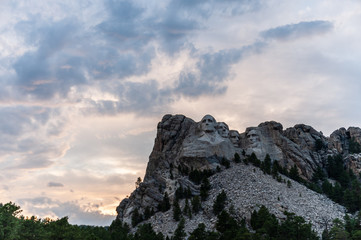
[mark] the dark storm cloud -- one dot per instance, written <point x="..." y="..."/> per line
<point x="55" y="184"/>
<point x="298" y="30"/>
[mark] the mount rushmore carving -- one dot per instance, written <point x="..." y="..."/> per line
<point x="182" y="143"/>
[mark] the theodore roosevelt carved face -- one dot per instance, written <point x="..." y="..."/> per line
<point x="234" y="137"/>
<point x="208" y="124"/>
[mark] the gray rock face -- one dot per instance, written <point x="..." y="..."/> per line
<point x="294" y="146"/>
<point x="340" y="139"/>
<point x="182" y="145"/>
<point x="247" y="189"/>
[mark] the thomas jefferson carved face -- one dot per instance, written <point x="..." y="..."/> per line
<point x="223" y="129"/>
<point x="253" y="138"/>
<point x="234" y="137"/>
<point x="208" y="124"/>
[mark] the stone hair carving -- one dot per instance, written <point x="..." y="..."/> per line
<point x="223" y="129"/>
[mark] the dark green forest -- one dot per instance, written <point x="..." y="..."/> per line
<point x="263" y="225"/>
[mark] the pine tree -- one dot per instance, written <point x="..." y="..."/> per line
<point x="136" y="217"/>
<point x="237" y="158"/>
<point x="275" y="169"/>
<point x="179" y="233"/>
<point x="138" y="182"/>
<point x="177" y="212"/>
<point x="267" y="164"/>
<point x="147" y="213"/>
<point x="165" y="204"/>
<point x="294" y="173"/>
<point x="219" y="203"/>
<point x="187" y="210"/>
<point x="205" y="187"/>
<point x="196" y="204"/>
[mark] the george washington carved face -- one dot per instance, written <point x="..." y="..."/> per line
<point x="208" y="124"/>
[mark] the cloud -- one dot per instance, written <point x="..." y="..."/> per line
<point x="41" y="72"/>
<point x="298" y="30"/>
<point x="55" y="184"/>
<point x="27" y="136"/>
<point x="212" y="70"/>
<point x="87" y="215"/>
<point x="125" y="25"/>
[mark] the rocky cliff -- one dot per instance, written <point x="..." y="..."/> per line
<point x="183" y="145"/>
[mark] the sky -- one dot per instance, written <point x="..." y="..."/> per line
<point x="84" y="83"/>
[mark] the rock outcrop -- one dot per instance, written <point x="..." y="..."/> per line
<point x="183" y="145"/>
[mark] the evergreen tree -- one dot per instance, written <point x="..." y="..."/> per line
<point x="138" y="182"/>
<point x="295" y="227"/>
<point x="263" y="222"/>
<point x="267" y="164"/>
<point x="146" y="232"/>
<point x="225" y="162"/>
<point x="327" y="188"/>
<point x="179" y="193"/>
<point x="318" y="144"/>
<point x="196" y="204"/>
<point x="147" y="213"/>
<point x="275" y="169"/>
<point x="294" y="173"/>
<point x="338" y="231"/>
<point x="187" y="210"/>
<point x="136" y="217"/>
<point x="118" y="230"/>
<point x="205" y="187"/>
<point x="220" y="202"/>
<point x="188" y="193"/>
<point x="177" y="212"/>
<point x="318" y="175"/>
<point x="195" y="176"/>
<point x="9" y="224"/>
<point x="227" y="226"/>
<point x="165" y="204"/>
<point x="179" y="233"/>
<point x="337" y="193"/>
<point x="237" y="158"/>
<point x="200" y="233"/>
<point x="354" y="146"/>
<point x="254" y="160"/>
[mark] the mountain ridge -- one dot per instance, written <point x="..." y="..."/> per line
<point x="183" y="145"/>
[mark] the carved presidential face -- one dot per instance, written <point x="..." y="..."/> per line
<point x="222" y="129"/>
<point x="208" y="124"/>
<point x="234" y="137"/>
<point x="253" y="138"/>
